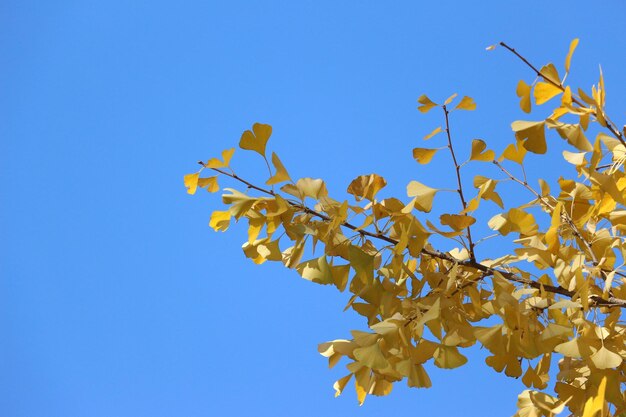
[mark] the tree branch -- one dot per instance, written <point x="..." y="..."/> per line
<point x="609" y="124"/>
<point x="469" y="263"/>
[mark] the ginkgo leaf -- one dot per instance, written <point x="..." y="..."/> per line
<point x="515" y="152"/>
<point x="549" y="73"/>
<point x="363" y="264"/>
<point x="306" y="187"/>
<point x="340" y="384"/>
<point x="362" y="384"/>
<point x="449" y="99"/>
<point x="423" y="155"/>
<point x="523" y="92"/>
<point x="515" y="220"/>
<point x="340" y="275"/>
<point x="575" y="348"/>
<point x="478" y="146"/>
<point x="425" y="103"/>
<point x="533" y="134"/>
<point x="466" y="103"/>
<point x="381" y="387"/>
<point x="433" y="133"/>
<point x="191" y="182"/>
<point x="574" y="158"/>
<point x="457" y="221"/>
<point x="554" y="330"/>
<point x="366" y="186"/>
<point x="226" y="157"/>
<point x="316" y="270"/>
<point x="491" y="47"/>
<point x="256" y="140"/>
<point x="423" y="194"/>
<point x="595" y="405"/>
<point x="239" y="203"/>
<point x="568" y="58"/>
<point x="545" y="91"/>
<point x="572" y="133"/>
<point x="605" y="359"/>
<point x="220" y="220"/>
<point x="210" y="183"/>
<point x="281" y="173"/>
<point x="448" y="357"/>
<point x="371" y="356"/>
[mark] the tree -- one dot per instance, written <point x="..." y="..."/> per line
<point x="558" y="295"/>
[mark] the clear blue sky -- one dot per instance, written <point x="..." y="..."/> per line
<point x="116" y="299"/>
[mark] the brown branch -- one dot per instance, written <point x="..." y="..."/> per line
<point x="457" y="167"/>
<point x="609" y="124"/>
<point x="469" y="263"/>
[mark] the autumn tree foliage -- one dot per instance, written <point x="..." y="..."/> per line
<point x="555" y="300"/>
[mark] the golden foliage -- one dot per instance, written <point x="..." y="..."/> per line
<point x="560" y="292"/>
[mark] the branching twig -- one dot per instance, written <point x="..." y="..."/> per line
<point x="457" y="167"/>
<point x="609" y="124"/>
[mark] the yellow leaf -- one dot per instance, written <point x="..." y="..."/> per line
<point x="566" y="98"/>
<point x="220" y="220"/>
<point x="515" y="220"/>
<point x="226" y="156"/>
<point x="568" y="58"/>
<point x="478" y="146"/>
<point x="362" y="383"/>
<point x="456" y="221"/>
<point x="423" y="194"/>
<point x="423" y="155"/>
<point x="491" y="47"/>
<point x="466" y="103"/>
<point x="448" y="357"/>
<point x="191" y="182"/>
<point x="523" y="92"/>
<point x="340" y="275"/>
<point x="340" y="384"/>
<point x="363" y="264"/>
<point x="256" y="140"/>
<point x="371" y="356"/>
<point x="605" y="359"/>
<point x="281" y="173"/>
<point x="306" y="187"/>
<point x="239" y="203"/>
<point x="449" y="99"/>
<point x="549" y="72"/>
<point x="381" y="387"/>
<point x="575" y="348"/>
<point x="316" y="270"/>
<point x="292" y="255"/>
<point x="573" y="133"/>
<point x="514" y="153"/>
<point x="209" y="183"/>
<point x="532" y="133"/>
<point x="433" y="133"/>
<point x="552" y="235"/>
<point x="595" y="404"/>
<point x="545" y="91"/>
<point x="366" y="186"/>
<point x="574" y="158"/>
<point x="425" y="103"/>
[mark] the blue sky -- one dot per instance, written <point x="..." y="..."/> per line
<point x="116" y="299"/>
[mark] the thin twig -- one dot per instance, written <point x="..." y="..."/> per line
<point x="609" y="124"/>
<point x="457" y="167"/>
<point x="568" y="218"/>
